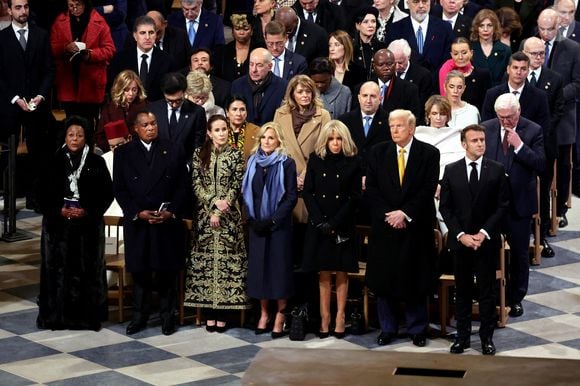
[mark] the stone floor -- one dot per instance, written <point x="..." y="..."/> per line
<point x="550" y="328"/>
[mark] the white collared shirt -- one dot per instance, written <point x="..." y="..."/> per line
<point x="453" y="19"/>
<point x="280" y="63"/>
<point x="536" y="72"/>
<point x="17" y="28"/>
<point x="147" y="145"/>
<point x="407" y="148"/>
<point x="423" y="25"/>
<point x="518" y="90"/>
<point x="170" y="110"/>
<point x="403" y="74"/>
<point x="195" y="22"/>
<point x="149" y="55"/>
<point x="314" y="14"/>
<point x="478" y="161"/>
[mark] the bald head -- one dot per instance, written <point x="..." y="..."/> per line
<point x="548" y="24"/>
<point x="160" y="23"/>
<point x="260" y="64"/>
<point x="535" y="50"/>
<point x="369" y="98"/>
<point x="287" y="16"/>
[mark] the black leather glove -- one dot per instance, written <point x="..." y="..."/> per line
<point x="261" y="227"/>
<point x="325" y="228"/>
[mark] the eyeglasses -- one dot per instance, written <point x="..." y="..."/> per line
<point x="275" y="44"/>
<point x="420" y="1"/>
<point x="536" y="53"/>
<point x="174" y="102"/>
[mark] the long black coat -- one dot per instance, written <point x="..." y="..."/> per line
<point x="72" y="278"/>
<point x="270" y="256"/>
<point x="402" y="262"/>
<point x="332" y="188"/>
<point x="142" y="185"/>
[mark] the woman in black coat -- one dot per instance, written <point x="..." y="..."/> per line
<point x="73" y="194"/>
<point x="270" y="194"/>
<point x="332" y="188"/>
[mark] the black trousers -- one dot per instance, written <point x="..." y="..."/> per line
<point x="481" y="263"/>
<point x="143" y="287"/>
<point x="563" y="178"/>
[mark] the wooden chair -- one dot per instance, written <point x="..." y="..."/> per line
<point x="553" y="231"/>
<point x="448" y="281"/>
<point x="115" y="262"/>
<point x="536" y="248"/>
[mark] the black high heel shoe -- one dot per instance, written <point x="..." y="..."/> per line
<point x="279" y="334"/>
<point x="220" y="329"/>
<point x="261" y="331"/>
<point x="209" y="328"/>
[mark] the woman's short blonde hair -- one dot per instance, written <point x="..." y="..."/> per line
<point x="198" y="83"/>
<point x="121" y="82"/>
<point x="289" y="103"/>
<point x="335" y="126"/>
<point x="442" y="103"/>
<point x="277" y="133"/>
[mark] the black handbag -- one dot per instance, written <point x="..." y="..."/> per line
<point x="299" y="322"/>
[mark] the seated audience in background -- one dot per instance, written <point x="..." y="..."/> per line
<point x="201" y="60"/>
<point x="204" y="29"/>
<point x="74" y="191"/>
<point x="199" y="92"/>
<point x="241" y="134"/>
<point x="451" y="12"/>
<point x="269" y="198"/>
<point x="215" y="277"/>
<point x="114" y="12"/>
<point x="389" y="13"/>
<point x="117" y="134"/>
<point x="511" y="28"/>
<point x="127" y="98"/>
<point x="323" y="12"/>
<point x="341" y="55"/>
<point x="285" y="63"/>
<point x="335" y="96"/>
<point x="365" y="42"/>
<point x="332" y="188"/>
<point x="462" y="113"/>
<point x="264" y="11"/>
<point x="171" y="40"/>
<point x="232" y="60"/>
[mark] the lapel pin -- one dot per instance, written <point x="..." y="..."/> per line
<point x="205" y="25"/>
<point x="164" y="151"/>
<point x="495" y="54"/>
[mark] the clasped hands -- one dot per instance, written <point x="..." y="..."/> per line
<point x="396" y="219"/>
<point x="72" y="213"/>
<point x="154" y="216"/>
<point x="223" y="206"/>
<point x="472" y="241"/>
<point x="21" y="102"/>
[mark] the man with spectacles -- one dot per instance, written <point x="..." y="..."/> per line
<point x="563" y="57"/>
<point x="178" y="119"/>
<point x="285" y="63"/>
<point x="518" y="144"/>
<point x="204" y="29"/>
<point x="262" y="89"/>
<point x="429" y="36"/>
<point x="151" y="183"/>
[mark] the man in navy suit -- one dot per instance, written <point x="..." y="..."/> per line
<point x="304" y="38"/>
<point x="449" y="11"/>
<point x="285" y="63"/>
<point x="474" y="201"/>
<point x="434" y="35"/>
<point x="569" y="28"/>
<point x="26" y="77"/>
<point x="322" y="12"/>
<point x="151" y="184"/>
<point x="204" y="29"/>
<point x="402" y="176"/>
<point x="263" y="90"/>
<point x="146" y="60"/>
<point x="178" y="119"/>
<point x="518" y="144"/>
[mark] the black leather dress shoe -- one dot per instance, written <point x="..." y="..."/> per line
<point x="385" y="338"/>
<point x="419" y="340"/>
<point x="168" y="327"/>
<point x="135" y="326"/>
<point x="547" y="251"/>
<point x="516" y="310"/>
<point x="459" y="345"/>
<point x="563" y="222"/>
<point x="487" y="347"/>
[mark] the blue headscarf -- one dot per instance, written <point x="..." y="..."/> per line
<point x="273" y="187"/>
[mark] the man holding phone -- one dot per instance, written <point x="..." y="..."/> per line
<point x="151" y="184"/>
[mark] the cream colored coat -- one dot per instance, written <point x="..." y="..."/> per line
<point x="299" y="148"/>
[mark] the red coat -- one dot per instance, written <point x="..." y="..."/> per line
<point x="92" y="78"/>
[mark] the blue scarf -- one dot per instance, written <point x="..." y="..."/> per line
<point x="273" y="187"/>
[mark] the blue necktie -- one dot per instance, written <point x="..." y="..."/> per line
<point x="547" y="56"/>
<point x="383" y="88"/>
<point x="420" y="40"/>
<point x="277" y="67"/>
<point x="367" y="124"/>
<point x="310" y="17"/>
<point x="191" y="32"/>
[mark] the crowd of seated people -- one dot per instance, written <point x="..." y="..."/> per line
<point x="316" y="116"/>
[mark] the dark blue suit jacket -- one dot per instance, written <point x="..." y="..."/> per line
<point x="271" y="99"/>
<point x="437" y="43"/>
<point x="521" y="168"/>
<point x="210" y="31"/>
<point x="294" y="64"/>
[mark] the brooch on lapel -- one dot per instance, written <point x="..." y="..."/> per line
<point x="164" y="152"/>
<point x="205" y="25"/>
<point x="186" y="116"/>
<point x="495" y="54"/>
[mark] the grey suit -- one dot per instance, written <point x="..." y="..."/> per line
<point x="337" y="99"/>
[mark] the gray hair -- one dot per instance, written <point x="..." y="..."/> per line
<point x="198" y="83"/>
<point x="190" y="2"/>
<point x="506" y="101"/>
<point x="400" y="44"/>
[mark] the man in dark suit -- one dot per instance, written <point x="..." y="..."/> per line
<point x="201" y="61"/>
<point x="449" y="11"/>
<point x="178" y="119"/>
<point x="412" y="72"/>
<point x="151" y="183"/>
<point x="285" y="63"/>
<point x="474" y="201"/>
<point x="145" y="59"/>
<point x="518" y="144"/>
<point x="402" y="176"/>
<point x="432" y="33"/>
<point x="263" y="90"/>
<point x="304" y="38"/>
<point x="171" y="40"/>
<point x="204" y="29"/>
<point x="322" y="12"/>
<point x="26" y="77"/>
<point x="569" y="28"/>
<point x="551" y="82"/>
<point x="564" y="58"/>
<point x="395" y="93"/>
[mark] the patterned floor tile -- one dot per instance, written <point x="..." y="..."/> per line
<point x="506" y="339"/>
<point x="551" y="350"/>
<point x="12" y="380"/>
<point x="18" y="349"/>
<point x="232" y="360"/>
<point x="554" y="329"/>
<point x="564" y="300"/>
<point x="545" y="280"/>
<point x="124" y="354"/>
<point x="10" y="303"/>
<point x="228" y="380"/>
<point x="104" y="378"/>
<point x="68" y="340"/>
<point x="568" y="272"/>
<point x="19" y="323"/>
